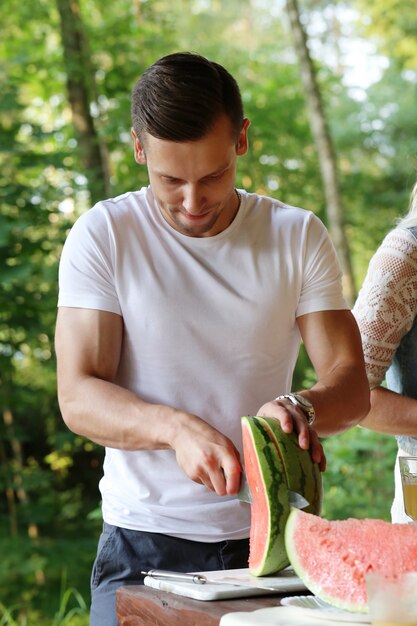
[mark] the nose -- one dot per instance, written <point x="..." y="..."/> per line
<point x="193" y="199"/>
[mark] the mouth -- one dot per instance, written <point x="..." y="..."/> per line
<point x="192" y="217"/>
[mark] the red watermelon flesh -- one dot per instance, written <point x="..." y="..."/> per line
<point x="333" y="557"/>
<point x="270" y="506"/>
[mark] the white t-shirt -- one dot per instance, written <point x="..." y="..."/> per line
<point x="209" y="327"/>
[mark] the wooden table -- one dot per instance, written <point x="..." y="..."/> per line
<point x="138" y="605"/>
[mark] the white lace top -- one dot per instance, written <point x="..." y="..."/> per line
<point x="387" y="303"/>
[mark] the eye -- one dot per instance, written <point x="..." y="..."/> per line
<point x="215" y="176"/>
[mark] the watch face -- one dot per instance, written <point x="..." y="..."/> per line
<point x="305" y="406"/>
<point x="303" y="401"/>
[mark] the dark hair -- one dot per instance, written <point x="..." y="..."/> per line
<point x="181" y="96"/>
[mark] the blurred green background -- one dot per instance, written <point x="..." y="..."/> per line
<point x="57" y="55"/>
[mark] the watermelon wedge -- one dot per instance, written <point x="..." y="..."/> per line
<point x="270" y="505"/>
<point x="333" y="557"/>
<point x="274" y="463"/>
<point x="301" y="473"/>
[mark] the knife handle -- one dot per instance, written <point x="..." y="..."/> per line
<point x="198" y="579"/>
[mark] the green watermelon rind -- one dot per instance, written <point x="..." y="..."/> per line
<point x="275" y="488"/>
<point x="302" y="473"/>
<point x="301" y="572"/>
<point x="297" y="471"/>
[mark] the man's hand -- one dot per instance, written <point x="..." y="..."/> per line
<point x="292" y="419"/>
<point x="207" y="456"/>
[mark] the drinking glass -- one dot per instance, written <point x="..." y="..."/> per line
<point x="392" y="601"/>
<point x="408" y="471"/>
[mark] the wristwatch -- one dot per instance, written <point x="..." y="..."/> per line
<point x="302" y="403"/>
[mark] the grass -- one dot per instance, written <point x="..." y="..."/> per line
<point x="72" y="611"/>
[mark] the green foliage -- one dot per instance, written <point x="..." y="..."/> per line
<point x="393" y="26"/>
<point x="359" y="480"/>
<point x="72" y="611"/>
<point x="51" y="574"/>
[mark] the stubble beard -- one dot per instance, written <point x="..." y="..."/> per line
<point x="174" y="215"/>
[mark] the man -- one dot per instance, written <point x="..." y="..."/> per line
<point x="182" y="306"/>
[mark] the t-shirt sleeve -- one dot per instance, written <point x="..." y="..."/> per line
<point x="322" y="277"/>
<point x="86" y="269"/>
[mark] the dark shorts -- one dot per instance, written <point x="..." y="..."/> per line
<point x="122" y="554"/>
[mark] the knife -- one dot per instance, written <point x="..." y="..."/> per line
<point x="296" y="499"/>
<point x="176" y="576"/>
<point x="201" y="579"/>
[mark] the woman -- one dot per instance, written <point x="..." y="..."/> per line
<point x="386" y="312"/>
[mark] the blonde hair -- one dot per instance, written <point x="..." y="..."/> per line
<point x="410" y="219"/>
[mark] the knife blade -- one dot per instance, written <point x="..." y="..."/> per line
<point x="244" y="493"/>
<point x="296" y="499"/>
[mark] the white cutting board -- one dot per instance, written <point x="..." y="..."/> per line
<point x="284" y="582"/>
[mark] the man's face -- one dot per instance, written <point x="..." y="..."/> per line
<point x="193" y="181"/>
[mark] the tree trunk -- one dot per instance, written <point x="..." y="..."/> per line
<point x="9" y="490"/>
<point x="93" y="153"/>
<point x="14" y="477"/>
<point x="326" y="154"/>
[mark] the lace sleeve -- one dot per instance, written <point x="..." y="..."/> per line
<point x="387" y="303"/>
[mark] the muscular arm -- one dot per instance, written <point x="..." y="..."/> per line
<point x="88" y="346"/>
<point x="341" y="394"/>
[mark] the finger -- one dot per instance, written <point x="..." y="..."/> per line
<point x="308" y="439"/>
<point x="206" y="481"/>
<point x="294" y="420"/>
<point x="304" y="436"/>
<point x="233" y="478"/>
<point x="301" y="427"/>
<point x="218" y="481"/>
<point x="280" y="411"/>
<point x="285" y="416"/>
<point x="317" y="452"/>
<point x="323" y="462"/>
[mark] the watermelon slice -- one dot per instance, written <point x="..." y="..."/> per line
<point x="333" y="557"/>
<point x="270" y="505"/>
<point x="274" y="463"/>
<point x="301" y="473"/>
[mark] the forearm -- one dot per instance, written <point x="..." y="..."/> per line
<point x="116" y="417"/>
<point x="340" y="399"/>
<point x="391" y="413"/>
<point x="341" y="395"/>
<point x="88" y="347"/>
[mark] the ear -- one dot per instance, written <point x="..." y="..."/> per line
<point x="242" y="142"/>
<point x="138" y="149"/>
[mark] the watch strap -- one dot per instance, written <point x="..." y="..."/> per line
<point x="294" y="398"/>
